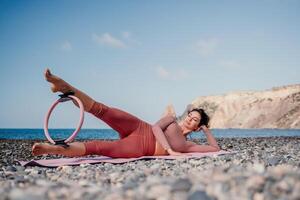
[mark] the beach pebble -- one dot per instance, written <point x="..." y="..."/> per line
<point x="199" y="194"/>
<point x="182" y="184"/>
<point x="11" y="169"/>
<point x="258" y="196"/>
<point x="65" y="169"/>
<point x="258" y="167"/>
<point x="160" y="191"/>
<point x="20" y="168"/>
<point x="179" y="195"/>
<point x="282" y="186"/>
<point x="255" y="182"/>
<point x="273" y="161"/>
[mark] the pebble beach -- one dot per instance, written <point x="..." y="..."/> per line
<point x="262" y="169"/>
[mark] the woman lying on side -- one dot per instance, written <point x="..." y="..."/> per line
<point x="137" y="137"/>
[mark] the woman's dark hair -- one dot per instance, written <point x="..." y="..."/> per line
<point x="204" y="117"/>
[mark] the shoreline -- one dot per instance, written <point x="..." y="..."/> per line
<point x="264" y="168"/>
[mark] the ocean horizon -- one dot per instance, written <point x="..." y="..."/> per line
<point x="38" y="133"/>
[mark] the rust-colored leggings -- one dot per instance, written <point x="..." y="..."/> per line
<point x="136" y="136"/>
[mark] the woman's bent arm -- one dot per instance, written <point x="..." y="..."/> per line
<point x="160" y="137"/>
<point x="213" y="145"/>
<point x="158" y="129"/>
<point x="193" y="147"/>
<point x="210" y="138"/>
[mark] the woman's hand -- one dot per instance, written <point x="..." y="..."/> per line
<point x="203" y="128"/>
<point x="174" y="153"/>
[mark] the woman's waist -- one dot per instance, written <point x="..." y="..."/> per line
<point x="148" y="138"/>
<point x="159" y="150"/>
<point x="177" y="143"/>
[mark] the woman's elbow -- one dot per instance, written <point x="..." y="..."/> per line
<point x="154" y="127"/>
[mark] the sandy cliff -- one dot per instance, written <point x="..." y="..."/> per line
<point x="275" y="108"/>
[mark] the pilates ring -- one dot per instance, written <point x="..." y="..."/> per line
<point x="63" y="98"/>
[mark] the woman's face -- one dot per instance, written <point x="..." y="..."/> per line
<point x="192" y="120"/>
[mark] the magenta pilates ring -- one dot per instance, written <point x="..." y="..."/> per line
<point x="63" y="98"/>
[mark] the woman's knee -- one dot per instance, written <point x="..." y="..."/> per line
<point x="90" y="147"/>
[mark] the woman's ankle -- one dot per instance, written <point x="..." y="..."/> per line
<point x="66" y="87"/>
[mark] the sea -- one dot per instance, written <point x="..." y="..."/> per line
<point x="87" y="134"/>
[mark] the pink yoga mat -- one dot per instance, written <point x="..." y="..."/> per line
<point x="105" y="159"/>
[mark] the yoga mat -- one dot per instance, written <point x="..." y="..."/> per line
<point x="105" y="159"/>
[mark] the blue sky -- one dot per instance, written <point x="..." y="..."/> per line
<point x="141" y="55"/>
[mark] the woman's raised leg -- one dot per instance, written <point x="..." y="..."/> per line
<point x="75" y="149"/>
<point x="123" y="122"/>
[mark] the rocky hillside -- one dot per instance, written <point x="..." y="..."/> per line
<point x="275" y="108"/>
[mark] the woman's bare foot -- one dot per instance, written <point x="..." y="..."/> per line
<point x="58" y="84"/>
<point x="44" y="148"/>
